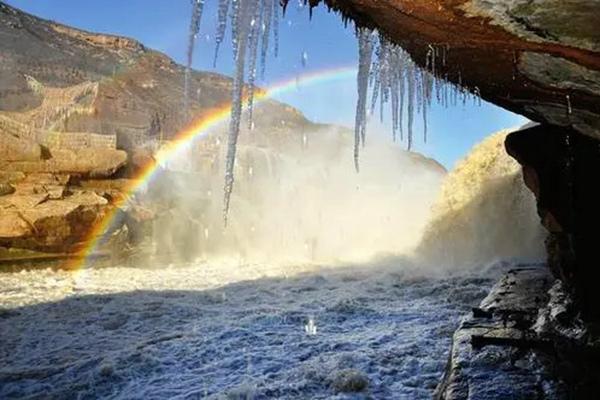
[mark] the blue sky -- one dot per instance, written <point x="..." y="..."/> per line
<point x="163" y="25"/>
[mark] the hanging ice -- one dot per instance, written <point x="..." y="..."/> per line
<point x="221" y="27"/>
<point x="396" y="79"/>
<point x="242" y="15"/>
<point x="251" y="23"/>
<point x="257" y="8"/>
<point x="197" y="7"/>
<point x="265" y="34"/>
<point x="392" y="74"/>
<point x="304" y="58"/>
<point x="365" y="50"/>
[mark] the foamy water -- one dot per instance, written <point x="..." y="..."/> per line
<point x="228" y="331"/>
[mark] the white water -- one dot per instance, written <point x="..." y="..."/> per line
<point x="273" y="328"/>
<point x="227" y="331"/>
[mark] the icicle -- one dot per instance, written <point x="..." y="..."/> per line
<point x="253" y="39"/>
<point x="569" y="107"/>
<point x="477" y="94"/>
<point x="221" y="27"/>
<point x="235" y="6"/>
<point x="276" y="27"/>
<point x="242" y="16"/>
<point x="197" y="7"/>
<point x="410" y="80"/>
<point x="266" y="33"/>
<point x="375" y="94"/>
<point x="365" y="49"/>
<point x="304" y="58"/>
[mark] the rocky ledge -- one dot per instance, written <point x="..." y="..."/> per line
<point x="495" y="354"/>
<point x="521" y="343"/>
<point x="52" y="203"/>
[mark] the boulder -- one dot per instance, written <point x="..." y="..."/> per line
<point x="13" y="227"/>
<point x="349" y="381"/>
<point x="6" y="188"/>
<point x="38" y="222"/>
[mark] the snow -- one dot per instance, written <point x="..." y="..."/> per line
<point x="224" y="330"/>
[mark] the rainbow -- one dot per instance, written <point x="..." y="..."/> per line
<point x="200" y="127"/>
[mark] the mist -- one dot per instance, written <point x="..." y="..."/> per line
<point x="300" y="203"/>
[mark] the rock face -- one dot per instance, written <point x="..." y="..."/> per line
<point x="49" y="82"/>
<point x="559" y="166"/>
<point x="495" y="354"/>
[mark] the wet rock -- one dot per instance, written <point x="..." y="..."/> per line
<point x="106" y="369"/>
<point x="577" y="343"/>
<point x="494" y="353"/>
<point x="559" y="166"/>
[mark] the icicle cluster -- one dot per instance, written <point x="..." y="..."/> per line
<point x="395" y="79"/>
<point x="197" y="8"/>
<point x="252" y="23"/>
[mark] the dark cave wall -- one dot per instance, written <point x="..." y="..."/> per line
<point x="562" y="168"/>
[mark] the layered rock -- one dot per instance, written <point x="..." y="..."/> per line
<point x="42" y="207"/>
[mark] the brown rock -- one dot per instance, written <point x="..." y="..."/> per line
<point x="39" y="223"/>
<point x="122" y="185"/>
<point x="15" y="149"/>
<point x="11" y="176"/>
<point x="22" y="202"/>
<point x="13" y="227"/>
<point x="90" y="162"/>
<point x="6" y="188"/>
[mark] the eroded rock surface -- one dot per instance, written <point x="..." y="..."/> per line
<point x="495" y="353"/>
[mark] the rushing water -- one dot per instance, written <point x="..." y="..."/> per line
<point x="228" y="331"/>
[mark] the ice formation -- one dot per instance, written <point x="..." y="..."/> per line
<point x="384" y="67"/>
<point x="222" y="14"/>
<point x="252" y="23"/>
<point x="365" y="50"/>
<point x="197" y="7"/>
<point x="395" y="79"/>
